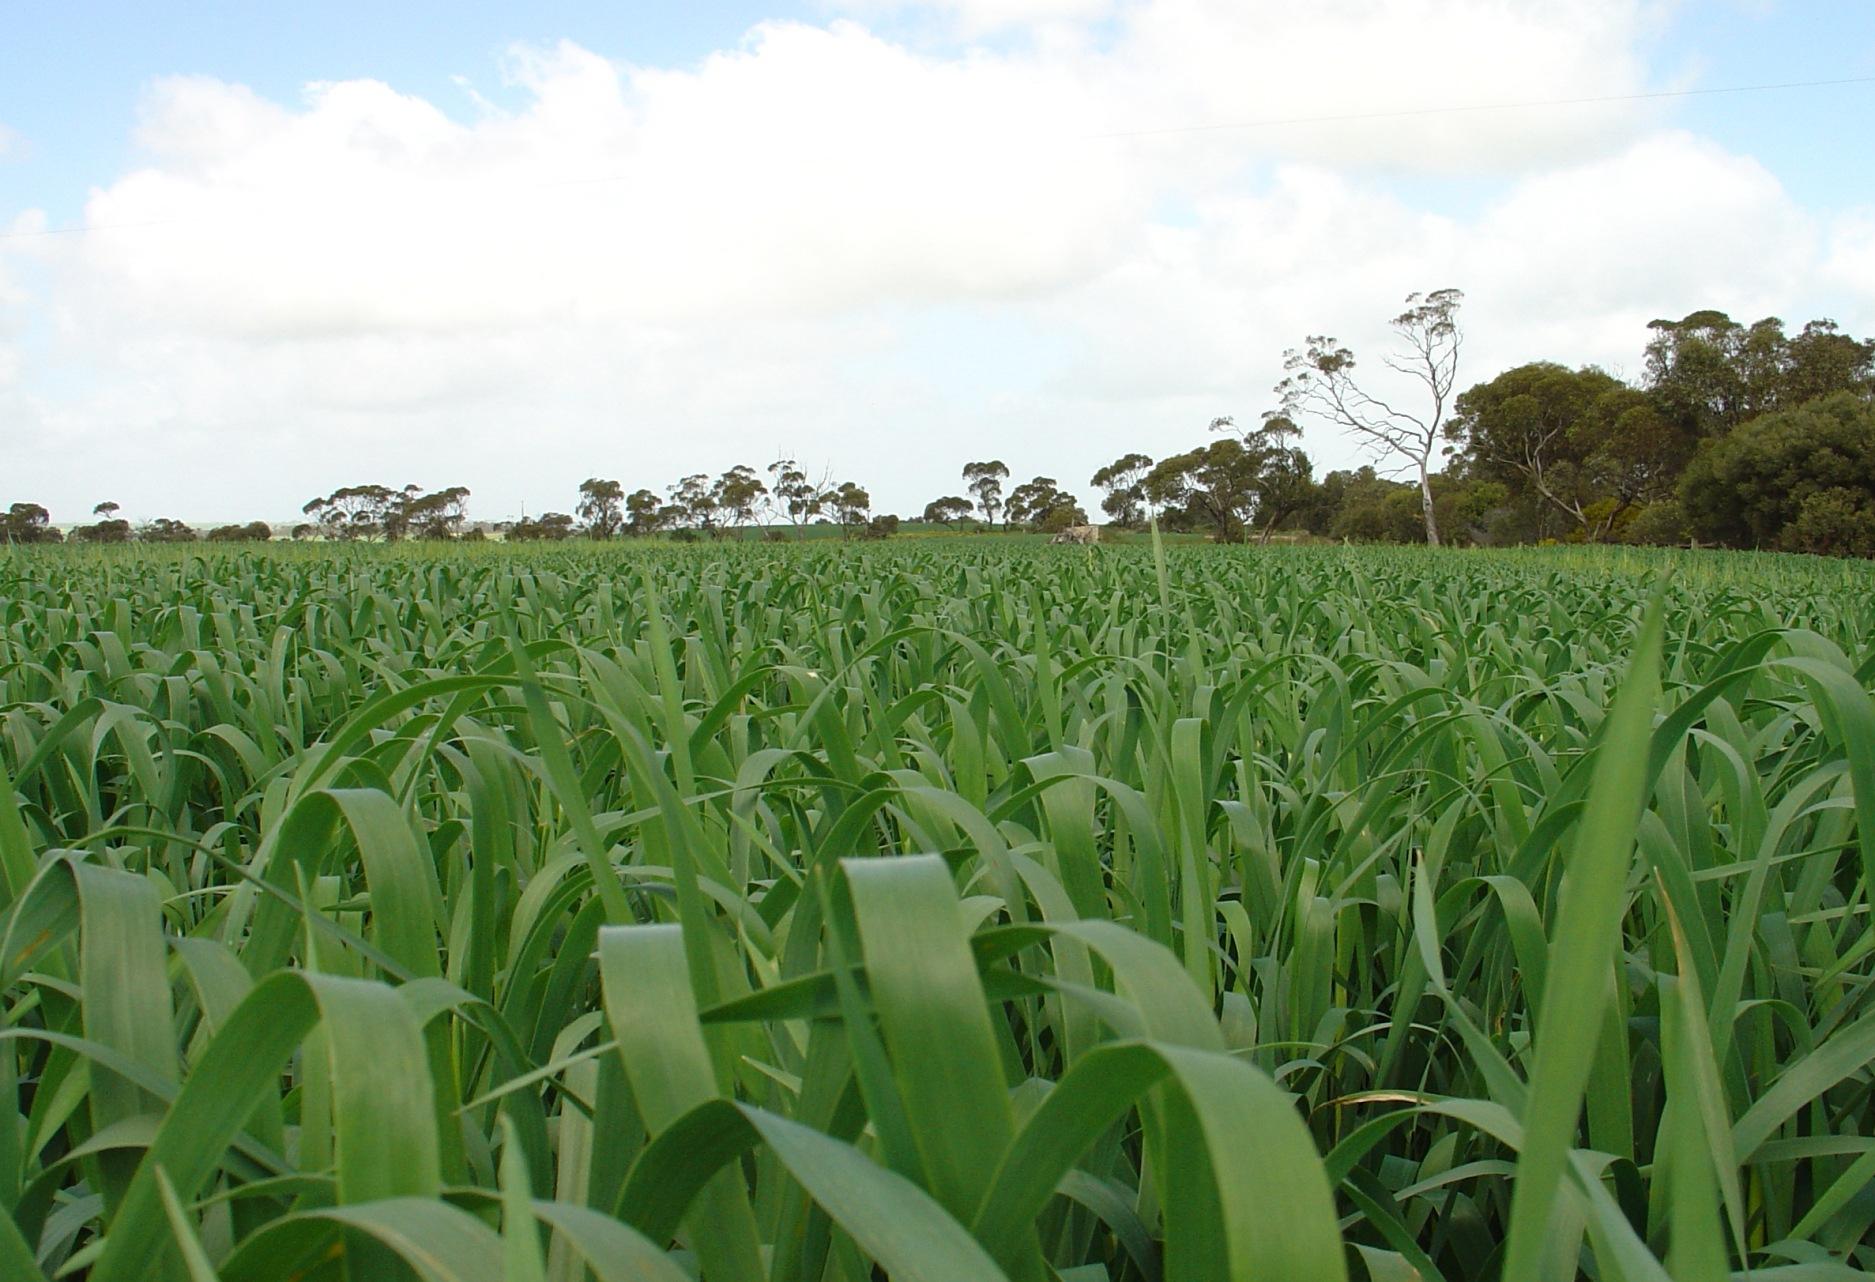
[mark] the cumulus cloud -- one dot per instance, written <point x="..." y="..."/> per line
<point x="864" y="249"/>
<point x="1570" y="264"/>
<point x="982" y="17"/>
<point x="1852" y="252"/>
<point x="1385" y="72"/>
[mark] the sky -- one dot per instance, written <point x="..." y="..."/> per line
<point x="252" y="253"/>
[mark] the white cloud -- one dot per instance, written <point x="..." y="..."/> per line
<point x="818" y="169"/>
<point x="1388" y="68"/>
<point x="10" y="142"/>
<point x="971" y="18"/>
<point x="1569" y="265"/>
<point x="1852" y="252"/>
<point x="844" y="245"/>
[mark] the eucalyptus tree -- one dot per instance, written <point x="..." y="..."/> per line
<point x="1321" y="384"/>
<point x="985" y="481"/>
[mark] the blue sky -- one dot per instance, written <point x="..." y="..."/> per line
<point x="897" y="221"/>
<point x="71" y="76"/>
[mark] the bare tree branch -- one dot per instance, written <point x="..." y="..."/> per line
<point x="1321" y="384"/>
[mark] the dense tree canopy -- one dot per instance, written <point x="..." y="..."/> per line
<point x="1041" y="504"/>
<point x="601" y="507"/>
<point x="28" y="523"/>
<point x="947" y="510"/>
<point x="1801" y="479"/>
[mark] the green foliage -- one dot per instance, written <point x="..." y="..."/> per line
<point x="1581" y="441"/>
<point x="601" y="507"/>
<point x="1801" y="479"/>
<point x="1041" y="504"/>
<point x="941" y="909"/>
<point x="166" y="530"/>
<point x="1838" y="521"/>
<point x="1124" y="484"/>
<point x="1709" y="374"/>
<point x="252" y="532"/>
<point x="1661" y="524"/>
<point x="984" y="480"/>
<point x="27" y="523"/>
<point x="113" y="530"/>
<point x="947" y="510"/>
<point x="1581" y="453"/>
<point x="549" y="527"/>
<point x="1250" y="480"/>
<point x="380" y="512"/>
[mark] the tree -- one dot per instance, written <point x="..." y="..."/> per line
<point x="395" y="517"/>
<point x="1284" y="487"/>
<point x="377" y="511"/>
<point x="116" y="530"/>
<point x="850" y="505"/>
<point x="693" y="503"/>
<point x="1634" y="453"/>
<point x="165" y="530"/>
<point x="1708" y="374"/>
<point x="1124" y="483"/>
<point x="551" y="527"/>
<point x="1362" y="506"/>
<point x="601" y="507"/>
<point x="352" y="511"/>
<point x="433" y="516"/>
<point x="952" y="507"/>
<point x="28" y="523"/>
<point x="644" y="512"/>
<point x="737" y="494"/>
<point x="1582" y="441"/>
<point x="1838" y="521"/>
<point x="1253" y="479"/>
<point x="1694" y="370"/>
<point x="1321" y="384"/>
<point x="1801" y="479"/>
<point x="792" y="494"/>
<point x="252" y="532"/>
<point x="1210" y="487"/>
<point x="1281" y="483"/>
<point x="985" y="481"/>
<point x="1042" y="504"/>
<point x="108" y="528"/>
<point x="1822" y="360"/>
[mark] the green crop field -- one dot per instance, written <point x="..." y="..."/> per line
<point x="948" y="909"/>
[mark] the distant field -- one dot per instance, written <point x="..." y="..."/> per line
<point x="1009" y="911"/>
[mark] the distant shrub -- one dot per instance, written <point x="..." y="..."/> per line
<point x="252" y="532"/>
<point x="113" y="531"/>
<point x="165" y="530"/>
<point x="1661" y="524"/>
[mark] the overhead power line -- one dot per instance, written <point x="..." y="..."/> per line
<point x="1273" y="122"/>
<point x="1460" y="109"/>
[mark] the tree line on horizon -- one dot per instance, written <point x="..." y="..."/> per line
<point x="1736" y="435"/>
